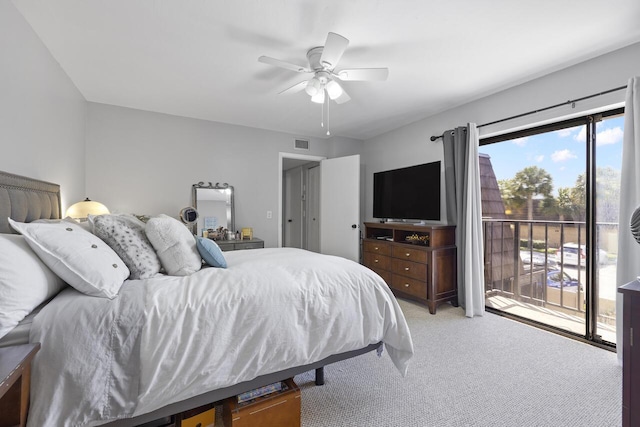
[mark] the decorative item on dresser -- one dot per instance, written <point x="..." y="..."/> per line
<point x="630" y="354"/>
<point x="417" y="261"/>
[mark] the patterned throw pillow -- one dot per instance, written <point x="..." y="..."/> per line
<point x="126" y="236"/>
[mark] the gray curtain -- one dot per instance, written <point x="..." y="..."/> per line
<point x="464" y="209"/>
<point x="628" y="248"/>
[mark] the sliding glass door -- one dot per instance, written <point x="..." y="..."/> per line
<point x="550" y="201"/>
<point x="608" y="162"/>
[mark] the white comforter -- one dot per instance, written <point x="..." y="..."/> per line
<point x="166" y="339"/>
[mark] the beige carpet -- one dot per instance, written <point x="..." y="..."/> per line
<point x="487" y="371"/>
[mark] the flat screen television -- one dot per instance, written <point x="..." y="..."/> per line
<point x="411" y="193"/>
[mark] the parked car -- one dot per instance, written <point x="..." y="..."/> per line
<point x="554" y="279"/>
<point x="570" y="295"/>
<point x="537" y="259"/>
<point x="572" y="254"/>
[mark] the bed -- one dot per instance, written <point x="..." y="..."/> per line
<point x="167" y="344"/>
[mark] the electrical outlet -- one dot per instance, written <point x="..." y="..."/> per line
<point x="269" y="214"/>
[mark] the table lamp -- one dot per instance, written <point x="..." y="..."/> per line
<point x="82" y="209"/>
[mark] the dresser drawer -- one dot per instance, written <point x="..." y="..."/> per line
<point x="381" y="248"/>
<point x="417" y="288"/>
<point x="249" y="245"/>
<point x="410" y="269"/>
<point x="376" y="261"/>
<point x="409" y="254"/>
<point x="385" y="274"/>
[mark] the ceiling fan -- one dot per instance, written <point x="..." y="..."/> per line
<point x="326" y="80"/>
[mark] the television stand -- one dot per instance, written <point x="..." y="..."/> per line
<point x="418" y="262"/>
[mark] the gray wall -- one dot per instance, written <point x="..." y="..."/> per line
<point x="144" y="162"/>
<point x="410" y="145"/>
<point x="42" y="114"/>
<point x="136" y="161"/>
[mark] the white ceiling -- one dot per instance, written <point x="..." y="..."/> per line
<point x="198" y="58"/>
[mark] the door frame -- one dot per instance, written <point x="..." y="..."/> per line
<point x="282" y="156"/>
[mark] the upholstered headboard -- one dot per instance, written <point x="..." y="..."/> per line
<point x="26" y="199"/>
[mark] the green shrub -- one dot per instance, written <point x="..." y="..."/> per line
<point x="537" y="244"/>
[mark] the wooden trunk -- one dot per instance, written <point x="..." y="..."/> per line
<point x="279" y="409"/>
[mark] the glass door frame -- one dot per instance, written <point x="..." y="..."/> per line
<point x="591" y="288"/>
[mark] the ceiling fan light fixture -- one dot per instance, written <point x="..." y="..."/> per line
<point x="318" y="98"/>
<point x="313" y="87"/>
<point x="334" y="90"/>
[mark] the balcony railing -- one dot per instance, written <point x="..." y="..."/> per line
<point x="523" y="261"/>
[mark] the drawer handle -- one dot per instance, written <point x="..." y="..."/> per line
<point x="375" y="249"/>
<point x="406" y="285"/>
<point x="406" y="269"/>
<point x="375" y="260"/>
<point x="408" y="254"/>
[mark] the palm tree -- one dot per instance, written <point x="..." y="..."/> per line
<point x="510" y="199"/>
<point x="532" y="181"/>
<point x="564" y="203"/>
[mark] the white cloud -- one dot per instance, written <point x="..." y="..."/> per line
<point x="520" y="141"/>
<point x="539" y="158"/>
<point x="562" y="155"/>
<point x="563" y="133"/>
<point x="609" y="136"/>
<point x="605" y="137"/>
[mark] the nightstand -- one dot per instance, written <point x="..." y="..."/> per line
<point x="15" y="376"/>
<point x="236" y="245"/>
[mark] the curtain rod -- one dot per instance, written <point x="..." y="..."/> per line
<point x="571" y="101"/>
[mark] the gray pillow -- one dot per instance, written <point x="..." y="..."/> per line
<point x="126" y="236"/>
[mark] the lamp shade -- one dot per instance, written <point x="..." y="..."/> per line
<point x="334" y="90"/>
<point x="313" y="87"/>
<point x="318" y="98"/>
<point x="85" y="208"/>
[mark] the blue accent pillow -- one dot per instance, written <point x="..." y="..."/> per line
<point x="211" y="253"/>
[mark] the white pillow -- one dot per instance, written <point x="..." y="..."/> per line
<point x="76" y="256"/>
<point x="175" y="245"/>
<point x="84" y="224"/>
<point x="25" y="282"/>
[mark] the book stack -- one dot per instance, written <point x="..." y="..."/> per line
<point x="260" y="391"/>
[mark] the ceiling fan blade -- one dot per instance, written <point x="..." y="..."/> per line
<point x="333" y="49"/>
<point x="283" y="64"/>
<point x="295" y="88"/>
<point x="343" y="98"/>
<point x="364" y="74"/>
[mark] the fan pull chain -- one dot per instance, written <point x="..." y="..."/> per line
<point x="326" y="97"/>
<point x="322" y="115"/>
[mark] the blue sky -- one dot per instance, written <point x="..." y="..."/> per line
<point x="561" y="153"/>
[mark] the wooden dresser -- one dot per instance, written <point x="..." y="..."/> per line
<point x="631" y="354"/>
<point x="418" y="262"/>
